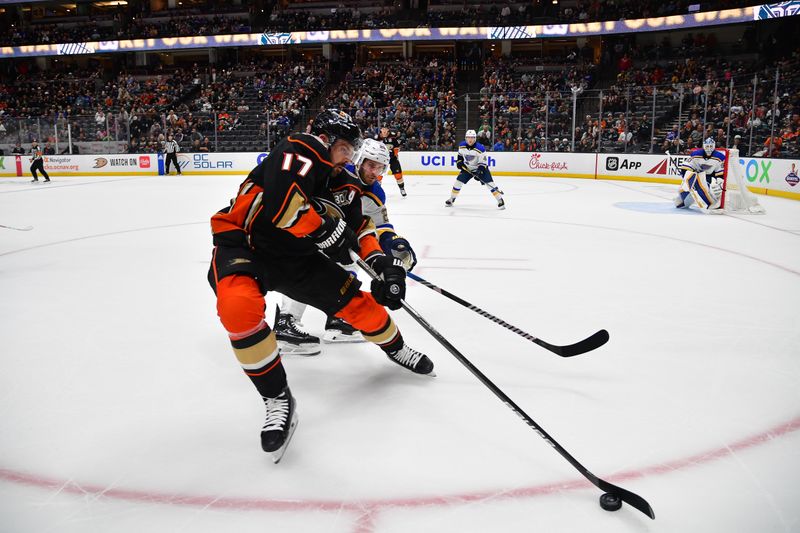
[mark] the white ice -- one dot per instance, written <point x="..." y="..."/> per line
<point x="122" y="407"/>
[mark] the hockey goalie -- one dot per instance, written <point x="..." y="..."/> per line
<point x="713" y="181"/>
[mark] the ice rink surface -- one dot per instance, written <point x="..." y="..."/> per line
<point x="122" y="407"/>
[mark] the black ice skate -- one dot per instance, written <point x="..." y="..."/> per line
<point x="449" y="202"/>
<point x="403" y="192"/>
<point x="279" y="425"/>
<point x="501" y="204"/>
<point x="337" y="330"/>
<point x="413" y="360"/>
<point x="292" y="339"/>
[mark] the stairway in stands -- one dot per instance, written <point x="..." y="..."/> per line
<point x="468" y="82"/>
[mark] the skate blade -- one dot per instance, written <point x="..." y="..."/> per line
<point x="304" y="350"/>
<point x="277" y="455"/>
<point x="335" y="336"/>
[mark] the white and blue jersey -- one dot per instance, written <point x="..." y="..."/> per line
<point x="373" y="205"/>
<point x="471" y="157"/>
<point x="713" y="165"/>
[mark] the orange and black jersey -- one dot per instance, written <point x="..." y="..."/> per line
<point x="275" y="209"/>
<point x="282" y="201"/>
<point x="392" y="141"/>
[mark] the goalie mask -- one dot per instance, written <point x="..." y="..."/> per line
<point x="709" y="145"/>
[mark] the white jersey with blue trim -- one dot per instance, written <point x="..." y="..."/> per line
<point x="472" y="156"/>
<point x="373" y="205"/>
<point x="713" y="165"/>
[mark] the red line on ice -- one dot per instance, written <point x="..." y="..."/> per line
<point x="367" y="510"/>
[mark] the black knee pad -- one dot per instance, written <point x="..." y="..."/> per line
<point x="227" y="261"/>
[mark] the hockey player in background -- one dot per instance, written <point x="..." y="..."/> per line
<point x="472" y="164"/>
<point x="283" y="232"/>
<point x="703" y="177"/>
<point x="392" y="141"/>
<point x="371" y="161"/>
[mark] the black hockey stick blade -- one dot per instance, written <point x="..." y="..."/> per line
<point x="586" y="345"/>
<point x="632" y="499"/>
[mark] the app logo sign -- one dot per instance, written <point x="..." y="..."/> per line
<point x="144" y="161"/>
<point x="613" y="164"/>
<point x="100" y="162"/>
<point x="261" y="157"/>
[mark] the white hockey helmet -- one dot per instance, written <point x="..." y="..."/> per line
<point x="374" y="151"/>
<point x="709" y="145"/>
<point x="471" y="134"/>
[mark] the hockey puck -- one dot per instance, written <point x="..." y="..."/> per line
<point x="610" y="502"/>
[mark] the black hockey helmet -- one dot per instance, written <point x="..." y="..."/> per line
<point x="336" y="124"/>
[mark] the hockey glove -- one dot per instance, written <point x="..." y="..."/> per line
<point x="390" y="287"/>
<point x="716" y="187"/>
<point x="399" y="248"/>
<point x="335" y="239"/>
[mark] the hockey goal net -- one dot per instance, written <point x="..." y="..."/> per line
<point x="736" y="197"/>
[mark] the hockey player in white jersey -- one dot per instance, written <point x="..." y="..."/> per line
<point x="703" y="176"/>
<point x="370" y="162"/>
<point x="473" y="164"/>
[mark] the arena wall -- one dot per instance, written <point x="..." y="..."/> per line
<point x="775" y="177"/>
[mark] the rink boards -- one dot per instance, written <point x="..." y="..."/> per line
<point x="775" y="177"/>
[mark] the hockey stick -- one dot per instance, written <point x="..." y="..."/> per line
<point x="26" y="228"/>
<point x="632" y="499"/>
<point x="586" y="345"/>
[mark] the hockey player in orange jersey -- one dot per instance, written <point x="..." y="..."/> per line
<point x="283" y="232"/>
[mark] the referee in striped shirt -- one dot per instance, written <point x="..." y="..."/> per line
<point x="171" y="149"/>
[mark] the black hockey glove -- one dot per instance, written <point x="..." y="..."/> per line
<point x="390" y="287"/>
<point x="335" y="239"/>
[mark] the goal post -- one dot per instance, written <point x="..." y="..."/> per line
<point x="736" y="197"/>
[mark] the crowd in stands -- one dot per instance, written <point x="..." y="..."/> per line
<point x="715" y="96"/>
<point x="415" y="98"/>
<point x="132" y="29"/>
<point x="523" y="105"/>
<point x="239" y="107"/>
<point x="530" y="107"/>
